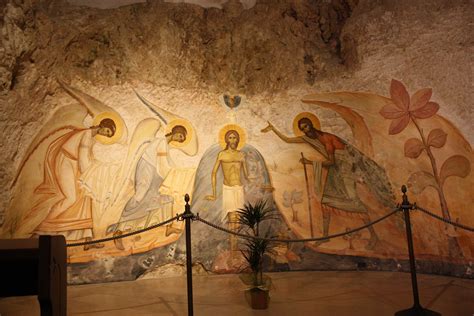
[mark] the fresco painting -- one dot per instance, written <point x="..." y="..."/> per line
<point x="335" y="192"/>
<point x="233" y="164"/>
<point x="326" y="185"/>
<point x="235" y="174"/>
<point x="82" y="198"/>
<point x="394" y="127"/>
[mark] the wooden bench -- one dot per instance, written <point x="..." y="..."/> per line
<point x="35" y="267"/>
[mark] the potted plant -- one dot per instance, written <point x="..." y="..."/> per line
<point x="250" y="218"/>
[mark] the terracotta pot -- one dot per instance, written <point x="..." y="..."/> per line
<point x="257" y="298"/>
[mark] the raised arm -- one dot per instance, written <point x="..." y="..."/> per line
<point x="286" y="139"/>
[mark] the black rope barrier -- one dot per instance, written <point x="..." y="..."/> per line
<point x="198" y="218"/>
<point x="188" y="217"/>
<point x="447" y="221"/>
<point x="90" y="242"/>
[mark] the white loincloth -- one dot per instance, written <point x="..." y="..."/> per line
<point x="232" y="199"/>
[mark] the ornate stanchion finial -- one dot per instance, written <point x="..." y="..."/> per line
<point x="187" y="208"/>
<point x="405" y="202"/>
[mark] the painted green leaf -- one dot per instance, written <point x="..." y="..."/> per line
<point x="456" y="165"/>
<point x="413" y="148"/>
<point x="418" y="181"/>
<point x="437" y="138"/>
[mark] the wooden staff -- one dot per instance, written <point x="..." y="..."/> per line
<point x="309" y="195"/>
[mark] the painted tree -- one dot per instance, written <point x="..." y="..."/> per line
<point x="290" y="199"/>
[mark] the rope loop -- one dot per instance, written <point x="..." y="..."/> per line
<point x="445" y="220"/>
<point x="297" y="240"/>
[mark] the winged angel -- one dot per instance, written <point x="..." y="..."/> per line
<point x="60" y="188"/>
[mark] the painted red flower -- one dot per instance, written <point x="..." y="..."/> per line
<point x="403" y="108"/>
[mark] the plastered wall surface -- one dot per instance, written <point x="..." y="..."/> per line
<point x="345" y="65"/>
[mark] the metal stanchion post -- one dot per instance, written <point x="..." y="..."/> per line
<point x="417" y="309"/>
<point x="188" y="216"/>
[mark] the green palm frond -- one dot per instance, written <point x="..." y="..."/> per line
<point x="252" y="215"/>
<point x="254" y="250"/>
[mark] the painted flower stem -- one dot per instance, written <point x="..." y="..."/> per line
<point x="442" y="199"/>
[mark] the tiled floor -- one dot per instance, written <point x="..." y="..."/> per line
<point x="295" y="293"/>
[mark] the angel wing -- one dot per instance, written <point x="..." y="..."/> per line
<point x="29" y="174"/>
<point x="190" y="146"/>
<point x="32" y="170"/>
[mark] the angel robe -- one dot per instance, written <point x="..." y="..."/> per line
<point x="151" y="170"/>
<point x="68" y="210"/>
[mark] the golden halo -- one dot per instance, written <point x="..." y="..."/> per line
<point x="119" y="127"/>
<point x="189" y="131"/>
<point x="314" y="119"/>
<point x="234" y="127"/>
